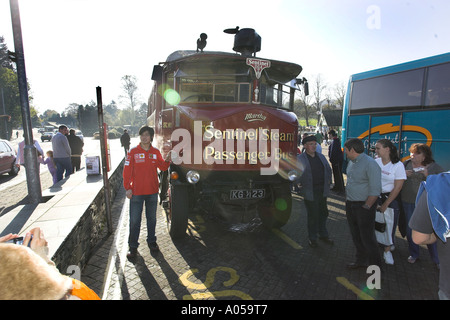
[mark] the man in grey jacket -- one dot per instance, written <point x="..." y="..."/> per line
<point x="61" y="153"/>
<point x="362" y="191"/>
<point x="315" y="181"/>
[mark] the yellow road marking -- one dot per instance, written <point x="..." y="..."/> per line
<point x="234" y="277"/>
<point x="361" y="294"/>
<point x="217" y="294"/>
<point x="286" y="239"/>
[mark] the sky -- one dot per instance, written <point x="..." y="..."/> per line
<point x="73" y="46"/>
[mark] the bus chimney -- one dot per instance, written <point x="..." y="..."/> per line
<point x="246" y="41"/>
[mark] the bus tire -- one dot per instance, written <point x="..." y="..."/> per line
<point x="179" y="210"/>
<point x="278" y="212"/>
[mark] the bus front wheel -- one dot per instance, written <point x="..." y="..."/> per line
<point x="177" y="215"/>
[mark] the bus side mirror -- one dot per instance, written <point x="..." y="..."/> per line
<point x="157" y="73"/>
<point x="304" y="82"/>
<point x="306" y="88"/>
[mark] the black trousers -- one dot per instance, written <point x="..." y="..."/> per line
<point x="362" y="228"/>
<point x="317" y="211"/>
<point x="337" y="175"/>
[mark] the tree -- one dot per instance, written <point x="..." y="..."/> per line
<point x="5" y="60"/>
<point x="11" y="97"/>
<point x="302" y="107"/>
<point x="141" y="115"/>
<point x="88" y="118"/>
<point x="130" y="87"/>
<point x="319" y="88"/>
<point x="339" y="93"/>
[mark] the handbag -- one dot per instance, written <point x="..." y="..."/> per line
<point x="386" y="218"/>
<point x="380" y="226"/>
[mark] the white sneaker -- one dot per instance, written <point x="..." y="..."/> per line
<point x="388" y="259"/>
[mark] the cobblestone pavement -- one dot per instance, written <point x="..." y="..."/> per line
<point x="213" y="262"/>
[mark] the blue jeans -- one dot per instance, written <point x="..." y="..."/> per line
<point x="136" y="206"/>
<point x="61" y="165"/>
<point x="414" y="248"/>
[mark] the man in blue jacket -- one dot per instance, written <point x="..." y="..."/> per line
<point x="315" y="181"/>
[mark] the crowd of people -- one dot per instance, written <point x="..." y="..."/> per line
<point x="63" y="160"/>
<point x="376" y="187"/>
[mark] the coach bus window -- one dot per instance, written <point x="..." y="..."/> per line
<point x="438" y="85"/>
<point x="396" y="90"/>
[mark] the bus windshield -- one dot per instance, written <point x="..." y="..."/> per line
<point x="221" y="80"/>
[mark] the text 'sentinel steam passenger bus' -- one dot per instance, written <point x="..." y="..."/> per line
<point x="227" y="119"/>
<point x="406" y="103"/>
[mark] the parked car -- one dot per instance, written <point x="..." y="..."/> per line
<point x="46" y="136"/>
<point x="8" y="159"/>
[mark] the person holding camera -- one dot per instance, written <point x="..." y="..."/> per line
<point x="27" y="273"/>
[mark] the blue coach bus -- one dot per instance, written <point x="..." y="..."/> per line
<point x="406" y="103"/>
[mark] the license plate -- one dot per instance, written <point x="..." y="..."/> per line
<point x="247" y="194"/>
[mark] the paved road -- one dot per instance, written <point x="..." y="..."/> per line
<point x="14" y="190"/>
<point x="214" y="262"/>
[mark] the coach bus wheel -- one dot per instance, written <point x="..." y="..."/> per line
<point x="179" y="209"/>
<point x="277" y="213"/>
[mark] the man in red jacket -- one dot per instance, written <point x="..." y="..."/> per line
<point x="140" y="180"/>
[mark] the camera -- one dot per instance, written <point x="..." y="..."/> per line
<point x="19" y="240"/>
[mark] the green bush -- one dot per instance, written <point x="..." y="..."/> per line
<point x="114" y="134"/>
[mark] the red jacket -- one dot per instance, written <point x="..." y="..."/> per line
<point x="140" y="172"/>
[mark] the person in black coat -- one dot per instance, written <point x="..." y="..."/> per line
<point x="125" y="141"/>
<point x="315" y="181"/>
<point x="336" y="158"/>
<point x="76" y="147"/>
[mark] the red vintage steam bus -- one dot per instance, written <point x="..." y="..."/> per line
<point x="227" y="119"/>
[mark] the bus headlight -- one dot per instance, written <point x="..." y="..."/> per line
<point x="193" y="176"/>
<point x="292" y="175"/>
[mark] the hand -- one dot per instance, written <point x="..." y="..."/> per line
<point x="169" y="156"/>
<point x="129" y="193"/>
<point x="38" y="240"/>
<point x="383" y="207"/>
<point x="38" y="244"/>
<point x="8" y="237"/>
